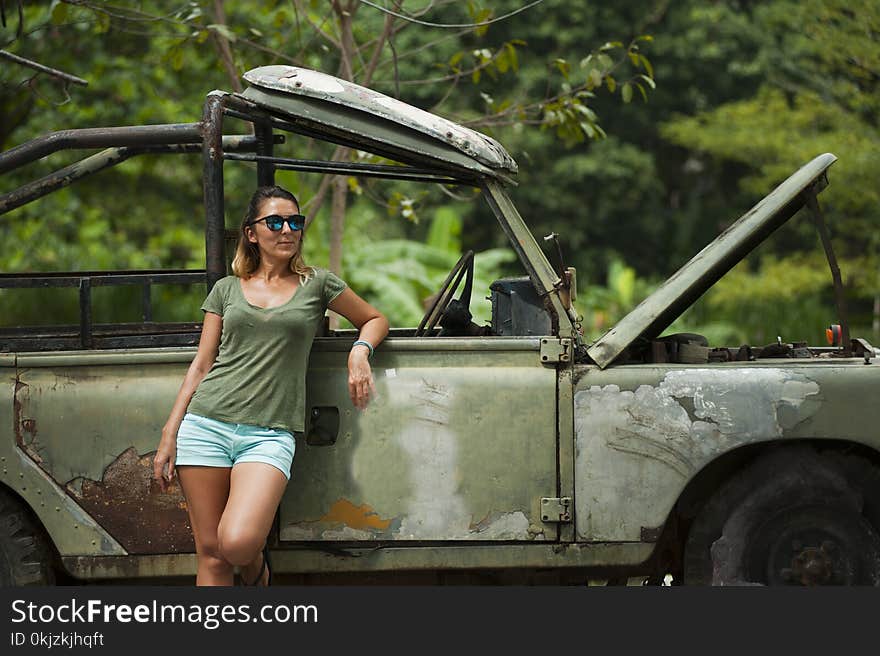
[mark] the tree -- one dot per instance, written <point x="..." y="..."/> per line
<point x="142" y="63"/>
<point x="821" y="94"/>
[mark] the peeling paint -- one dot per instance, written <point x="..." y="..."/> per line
<point x="356" y="517"/>
<point x="128" y="504"/>
<point x="729" y="407"/>
<point x="435" y="507"/>
<point x="504" y="526"/>
<point x="630" y="443"/>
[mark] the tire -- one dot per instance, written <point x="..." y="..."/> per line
<point x="25" y="556"/>
<point x="792" y="517"/>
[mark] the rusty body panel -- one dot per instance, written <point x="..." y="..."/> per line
<point x="71" y="529"/>
<point x="642" y="432"/>
<point x="99" y="452"/>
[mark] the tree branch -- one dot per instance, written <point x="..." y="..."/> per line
<point x="387" y="29"/>
<point x="223" y="47"/>
<point x="54" y="72"/>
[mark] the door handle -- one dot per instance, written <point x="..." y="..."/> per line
<point x="323" y="425"/>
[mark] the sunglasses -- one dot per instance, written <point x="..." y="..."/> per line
<point x="275" y="222"/>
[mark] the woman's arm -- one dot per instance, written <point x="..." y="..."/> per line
<point x="209" y="345"/>
<point x="373" y="327"/>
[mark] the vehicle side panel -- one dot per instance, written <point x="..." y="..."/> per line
<point x="460" y="444"/>
<point x="642" y="432"/>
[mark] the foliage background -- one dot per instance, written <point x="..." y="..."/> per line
<point x="746" y="92"/>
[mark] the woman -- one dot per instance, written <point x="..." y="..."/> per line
<point x="230" y="430"/>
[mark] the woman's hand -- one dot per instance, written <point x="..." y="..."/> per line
<point x="163" y="463"/>
<point x="360" y="377"/>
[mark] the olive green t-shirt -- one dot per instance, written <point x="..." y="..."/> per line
<point x="259" y="377"/>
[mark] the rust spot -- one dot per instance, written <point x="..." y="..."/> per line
<point x="25" y="428"/>
<point x="16" y="409"/>
<point x="361" y="517"/>
<point x="130" y="506"/>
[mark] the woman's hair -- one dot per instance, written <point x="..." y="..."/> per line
<point x="247" y="253"/>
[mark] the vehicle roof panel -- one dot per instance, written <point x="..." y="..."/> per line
<point x="293" y="82"/>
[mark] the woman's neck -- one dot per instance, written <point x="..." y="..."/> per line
<point x="269" y="270"/>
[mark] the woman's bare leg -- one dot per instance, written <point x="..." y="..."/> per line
<point x="206" y="490"/>
<point x="254" y="494"/>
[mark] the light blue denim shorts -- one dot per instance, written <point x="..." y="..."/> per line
<point x="214" y="443"/>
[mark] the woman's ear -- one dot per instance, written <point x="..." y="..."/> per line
<point x="250" y="234"/>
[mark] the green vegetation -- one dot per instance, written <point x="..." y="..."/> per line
<point x="642" y="129"/>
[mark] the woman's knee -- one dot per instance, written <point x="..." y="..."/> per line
<point x="209" y="553"/>
<point x="239" y="547"/>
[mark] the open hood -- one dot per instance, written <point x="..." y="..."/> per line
<point x="653" y="315"/>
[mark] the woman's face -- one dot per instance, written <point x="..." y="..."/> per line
<point x="282" y="244"/>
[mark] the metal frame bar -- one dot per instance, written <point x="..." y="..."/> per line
<point x="133" y="135"/>
<point x="350" y="168"/>
<point x="43" y="338"/>
<point x="105" y="159"/>
<point x="100" y="278"/>
<point x="265" y="143"/>
<point x="212" y="179"/>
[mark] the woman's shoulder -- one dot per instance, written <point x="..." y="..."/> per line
<point x="225" y="285"/>
<point x="319" y="274"/>
<point x="226" y="282"/>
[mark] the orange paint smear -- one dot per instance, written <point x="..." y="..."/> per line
<point x="362" y="517"/>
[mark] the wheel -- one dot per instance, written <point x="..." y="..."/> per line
<point x="464" y="268"/>
<point x="24" y="551"/>
<point x="793" y="517"/>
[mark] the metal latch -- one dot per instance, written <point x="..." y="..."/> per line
<point x="555" y="350"/>
<point x="556" y="509"/>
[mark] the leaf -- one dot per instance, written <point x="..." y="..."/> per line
<point x="605" y="62"/>
<point x="626" y="92"/>
<point x="223" y="30"/>
<point x="647" y="65"/>
<point x="610" y="45"/>
<point x="644" y="37"/>
<point x="354" y="186"/>
<point x="644" y="93"/>
<point x="512" y="56"/>
<point x="102" y="26"/>
<point x="649" y="81"/>
<point x="501" y="62"/>
<point x="563" y="67"/>
<point x="611" y="83"/>
<point x="634" y="58"/>
<point x="475" y="76"/>
<point x="453" y="61"/>
<point x="445" y="230"/>
<point x="58" y="12"/>
<point x="482" y="17"/>
<point x="595" y="78"/>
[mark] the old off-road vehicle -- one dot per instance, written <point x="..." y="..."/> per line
<point x="527" y="454"/>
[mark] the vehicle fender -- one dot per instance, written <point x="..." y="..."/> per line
<point x="643" y="432"/>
